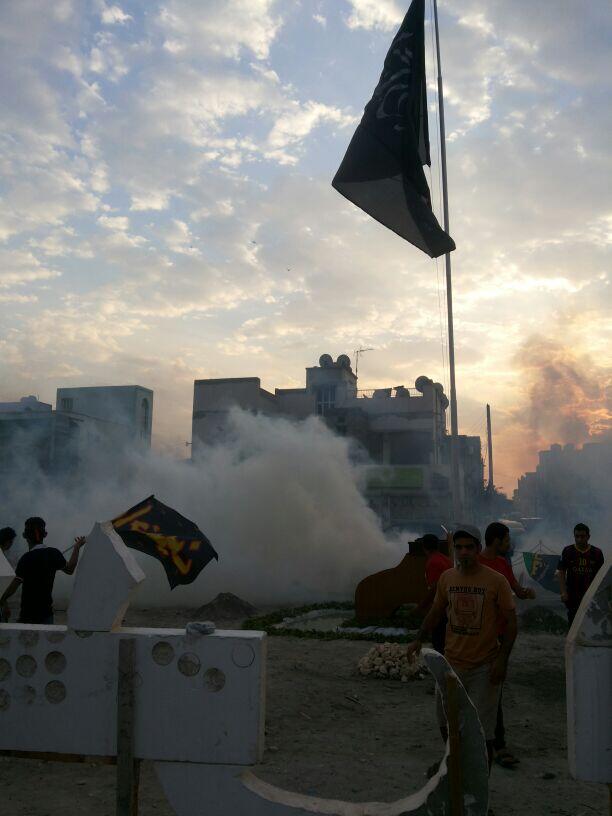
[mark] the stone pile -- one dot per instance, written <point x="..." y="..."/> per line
<point x="389" y="661"/>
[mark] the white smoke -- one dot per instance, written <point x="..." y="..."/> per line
<point x="279" y="500"/>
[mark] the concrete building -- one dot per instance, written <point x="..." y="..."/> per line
<point x="32" y="434"/>
<point x="569" y="484"/>
<point x="402" y="431"/>
<point x="121" y="411"/>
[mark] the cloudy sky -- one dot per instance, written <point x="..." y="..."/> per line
<point x="166" y="210"/>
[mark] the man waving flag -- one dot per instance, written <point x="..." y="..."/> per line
<point x="382" y="171"/>
<point x="158" y="530"/>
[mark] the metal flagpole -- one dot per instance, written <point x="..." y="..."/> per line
<point x="455" y="488"/>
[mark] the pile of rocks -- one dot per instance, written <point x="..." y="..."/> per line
<point x="389" y="661"/>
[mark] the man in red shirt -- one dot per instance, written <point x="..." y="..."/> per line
<point x="436" y="564"/>
<point x="497" y="546"/>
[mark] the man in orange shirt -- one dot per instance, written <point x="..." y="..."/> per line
<point x="475" y="599"/>
<point x="497" y="546"/>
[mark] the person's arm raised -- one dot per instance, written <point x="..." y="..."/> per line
<point x="74" y="558"/>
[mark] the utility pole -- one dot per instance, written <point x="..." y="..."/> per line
<point x="455" y="487"/>
<point x="490" y="486"/>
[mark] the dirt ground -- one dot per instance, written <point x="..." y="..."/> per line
<point x="335" y="734"/>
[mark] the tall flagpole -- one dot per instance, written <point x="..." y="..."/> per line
<point x="455" y="488"/>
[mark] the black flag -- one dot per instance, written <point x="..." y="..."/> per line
<point x="382" y="171"/>
<point x="158" y="530"/>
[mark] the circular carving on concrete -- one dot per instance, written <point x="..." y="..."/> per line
<point x="55" y="692"/>
<point x="162" y="653"/>
<point x="214" y="679"/>
<point x="82" y="633"/>
<point x="26" y="666"/>
<point x="242" y="655"/>
<point x="26" y="694"/>
<point x="5" y="700"/>
<point x="55" y="637"/>
<point x="5" y="669"/>
<point x="55" y="662"/>
<point x="5" y="640"/>
<point x="189" y="664"/>
<point x="28" y="639"/>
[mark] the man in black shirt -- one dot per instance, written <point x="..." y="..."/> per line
<point x="578" y="566"/>
<point x="36" y="572"/>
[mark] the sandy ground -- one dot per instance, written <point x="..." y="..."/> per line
<point x="318" y="741"/>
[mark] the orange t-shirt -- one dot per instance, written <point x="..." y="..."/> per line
<point x="474" y="604"/>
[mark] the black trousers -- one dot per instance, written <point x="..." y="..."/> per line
<point x="500" y="732"/>
<point x="571" y="614"/>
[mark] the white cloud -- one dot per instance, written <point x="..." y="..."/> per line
<point x="297" y="122"/>
<point x="19" y="268"/>
<point x="111" y="15"/>
<point x="225" y="28"/>
<point x="373" y="14"/>
<point x="118" y="222"/>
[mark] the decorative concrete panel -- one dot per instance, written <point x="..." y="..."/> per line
<point x="588" y="666"/>
<point x="106" y="576"/>
<point x="220" y="790"/>
<point x="7" y="573"/>
<point x="197" y="698"/>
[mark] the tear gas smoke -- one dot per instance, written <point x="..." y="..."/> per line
<point x="567" y="398"/>
<point x="280" y="502"/>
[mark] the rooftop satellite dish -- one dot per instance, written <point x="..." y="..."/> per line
<point x="421" y="382"/>
<point x="326" y="361"/>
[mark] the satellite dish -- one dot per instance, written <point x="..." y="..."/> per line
<point x="343" y="361"/>
<point x="421" y="382"/>
<point x="326" y="361"/>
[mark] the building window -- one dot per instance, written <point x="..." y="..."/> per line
<point x="67" y="403"/>
<point x="326" y="398"/>
<point x="144" y="418"/>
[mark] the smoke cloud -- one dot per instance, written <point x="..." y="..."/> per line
<point x="565" y="398"/>
<point x="280" y="501"/>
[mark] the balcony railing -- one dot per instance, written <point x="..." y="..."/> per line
<point x="387" y="393"/>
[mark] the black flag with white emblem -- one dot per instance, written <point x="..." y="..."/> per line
<point x="382" y="171"/>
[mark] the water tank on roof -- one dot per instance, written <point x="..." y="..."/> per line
<point x="326" y="361"/>
<point x="343" y="361"/>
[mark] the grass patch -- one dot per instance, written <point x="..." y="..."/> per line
<point x="268" y="623"/>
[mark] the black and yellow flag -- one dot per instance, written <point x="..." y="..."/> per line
<point x="158" y="530"/>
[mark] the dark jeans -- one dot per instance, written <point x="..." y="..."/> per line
<point x="438" y="636"/>
<point x="500" y="732"/>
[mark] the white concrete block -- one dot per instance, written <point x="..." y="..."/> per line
<point x="220" y="790"/>
<point x="106" y="577"/>
<point x="197" y="699"/>
<point x="7" y="573"/>
<point x="588" y="667"/>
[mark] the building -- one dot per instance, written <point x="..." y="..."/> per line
<point x="400" y="431"/>
<point x="123" y="412"/>
<point x="569" y="484"/>
<point x="32" y="434"/>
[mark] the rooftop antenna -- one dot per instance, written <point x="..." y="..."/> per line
<point x="357" y="352"/>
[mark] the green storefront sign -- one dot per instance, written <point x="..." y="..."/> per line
<point x="394" y="476"/>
